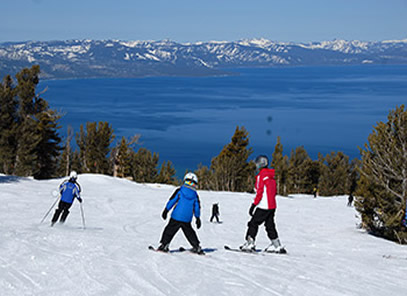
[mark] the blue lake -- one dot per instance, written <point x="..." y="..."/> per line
<point x="189" y="120"/>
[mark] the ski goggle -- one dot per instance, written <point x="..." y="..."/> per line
<point x="190" y="183"/>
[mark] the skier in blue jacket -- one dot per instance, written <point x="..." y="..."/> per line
<point x="185" y="201"/>
<point x="69" y="190"/>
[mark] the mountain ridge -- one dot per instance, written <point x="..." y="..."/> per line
<point x="126" y="59"/>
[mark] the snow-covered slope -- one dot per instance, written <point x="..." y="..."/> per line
<point x="328" y="255"/>
<point x="115" y="58"/>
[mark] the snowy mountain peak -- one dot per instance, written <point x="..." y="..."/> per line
<point x="261" y="42"/>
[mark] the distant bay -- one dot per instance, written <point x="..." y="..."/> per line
<point x="189" y="120"/>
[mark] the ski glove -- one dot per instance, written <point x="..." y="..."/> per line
<point x="251" y="210"/>
<point x="198" y="222"/>
<point x="164" y="214"/>
<point x="80" y="199"/>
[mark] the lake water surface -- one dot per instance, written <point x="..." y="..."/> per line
<point x="188" y="120"/>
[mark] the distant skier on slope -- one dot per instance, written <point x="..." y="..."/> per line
<point x="215" y="212"/>
<point x="186" y="204"/>
<point x="265" y="201"/>
<point x="69" y="190"/>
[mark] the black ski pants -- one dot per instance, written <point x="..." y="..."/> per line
<point x="262" y="216"/>
<point x="215" y="216"/>
<point x="63" y="207"/>
<point x="172" y="228"/>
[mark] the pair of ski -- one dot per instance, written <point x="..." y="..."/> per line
<point x="255" y="251"/>
<point x="179" y="250"/>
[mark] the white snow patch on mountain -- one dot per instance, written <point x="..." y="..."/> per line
<point x="151" y="57"/>
<point x="395" y="41"/>
<point x="328" y="254"/>
<point x="344" y="46"/>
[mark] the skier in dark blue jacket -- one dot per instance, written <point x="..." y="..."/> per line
<point x="185" y="201"/>
<point x="69" y="190"/>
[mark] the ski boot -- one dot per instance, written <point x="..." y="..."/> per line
<point x="197" y="250"/>
<point x="275" y="247"/>
<point x="163" y="248"/>
<point x="249" y="245"/>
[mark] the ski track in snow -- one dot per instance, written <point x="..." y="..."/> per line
<point x="328" y="254"/>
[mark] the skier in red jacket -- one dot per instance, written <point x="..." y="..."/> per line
<point x="263" y="208"/>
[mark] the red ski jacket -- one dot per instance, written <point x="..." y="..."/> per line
<point x="266" y="189"/>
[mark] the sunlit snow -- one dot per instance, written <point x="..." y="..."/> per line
<point x="328" y="254"/>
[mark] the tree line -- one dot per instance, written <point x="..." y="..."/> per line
<point x="232" y="170"/>
<point x="31" y="146"/>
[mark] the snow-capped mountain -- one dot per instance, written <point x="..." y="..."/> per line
<point x="116" y="58"/>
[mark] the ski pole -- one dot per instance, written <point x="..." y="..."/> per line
<point x="50" y="209"/>
<point x="83" y="216"/>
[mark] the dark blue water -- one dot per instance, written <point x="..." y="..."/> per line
<point x="189" y="120"/>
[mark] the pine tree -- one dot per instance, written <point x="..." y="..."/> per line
<point x="382" y="193"/>
<point x="335" y="174"/>
<point x="8" y="125"/>
<point x="26" y="157"/>
<point x="205" y="177"/>
<point x="312" y="170"/>
<point x="297" y="175"/>
<point x="231" y="168"/>
<point x="94" y="145"/>
<point x="37" y="138"/>
<point x="27" y="133"/>
<point x="144" y="166"/>
<point x="48" y="149"/>
<point x="280" y="165"/>
<point x="167" y="174"/>
<point x="122" y="159"/>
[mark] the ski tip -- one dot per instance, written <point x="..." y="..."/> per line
<point x="151" y="248"/>
<point x="226" y="247"/>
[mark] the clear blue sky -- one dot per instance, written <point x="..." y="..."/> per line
<point x="203" y="20"/>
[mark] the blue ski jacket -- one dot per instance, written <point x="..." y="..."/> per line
<point x="69" y="191"/>
<point x="186" y="202"/>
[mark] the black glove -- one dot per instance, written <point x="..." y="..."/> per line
<point x="198" y="222"/>
<point x="251" y="210"/>
<point x="164" y="214"/>
<point x="80" y="199"/>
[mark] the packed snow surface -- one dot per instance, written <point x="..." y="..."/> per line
<point x="328" y="254"/>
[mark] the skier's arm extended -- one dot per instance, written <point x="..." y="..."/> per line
<point x="173" y="200"/>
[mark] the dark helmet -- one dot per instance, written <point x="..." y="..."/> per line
<point x="261" y="161"/>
